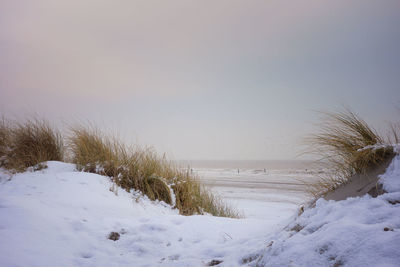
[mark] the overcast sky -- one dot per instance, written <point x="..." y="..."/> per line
<point x="201" y="79"/>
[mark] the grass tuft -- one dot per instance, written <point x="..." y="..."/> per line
<point x="143" y="169"/>
<point x="349" y="146"/>
<point x="29" y="143"/>
<point x="4" y="141"/>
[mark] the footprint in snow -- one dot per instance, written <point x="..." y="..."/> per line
<point x="86" y="255"/>
<point x="177" y="221"/>
<point x="174" y="257"/>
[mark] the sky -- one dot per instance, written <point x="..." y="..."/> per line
<point x="201" y="79"/>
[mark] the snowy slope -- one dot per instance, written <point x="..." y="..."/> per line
<point x="362" y="231"/>
<point x="61" y="217"/>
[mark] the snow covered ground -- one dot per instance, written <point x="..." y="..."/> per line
<point x="362" y="231"/>
<point x="61" y="217"/>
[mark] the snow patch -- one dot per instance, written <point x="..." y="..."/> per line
<point x="62" y="217"/>
<point x="391" y="178"/>
<point x="361" y="231"/>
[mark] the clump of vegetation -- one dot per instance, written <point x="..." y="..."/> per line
<point x="34" y="141"/>
<point x="143" y="169"/>
<point x="349" y="146"/>
<point x="4" y="141"/>
<point x="29" y="143"/>
<point x="192" y="197"/>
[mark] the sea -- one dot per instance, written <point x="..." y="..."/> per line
<point x="258" y="189"/>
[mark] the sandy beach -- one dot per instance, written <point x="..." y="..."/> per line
<point x="274" y="191"/>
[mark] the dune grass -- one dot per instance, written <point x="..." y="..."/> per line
<point x="34" y="141"/>
<point x="4" y="141"/>
<point x="144" y="170"/>
<point x="349" y="146"/>
<point x="28" y="143"/>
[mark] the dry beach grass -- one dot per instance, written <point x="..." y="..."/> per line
<point x="345" y="141"/>
<point x="143" y="169"/>
<point x="34" y="141"/>
<point x="28" y="143"/>
<point x="349" y="146"/>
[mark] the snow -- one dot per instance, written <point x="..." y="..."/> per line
<point x="395" y="147"/>
<point x="61" y="217"/>
<point x="362" y="231"/>
<point x="390" y="179"/>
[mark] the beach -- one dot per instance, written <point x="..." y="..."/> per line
<point x="269" y="190"/>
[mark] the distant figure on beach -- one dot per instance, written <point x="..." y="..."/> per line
<point x="238" y="171"/>
<point x="265" y="170"/>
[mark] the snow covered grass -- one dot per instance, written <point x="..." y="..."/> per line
<point x="142" y="169"/>
<point x="361" y="231"/>
<point x="29" y="143"/>
<point x="349" y="146"/>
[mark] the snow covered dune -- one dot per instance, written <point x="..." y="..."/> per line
<point x="61" y="217"/>
<point x="361" y="231"/>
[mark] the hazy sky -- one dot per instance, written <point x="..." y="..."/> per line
<point x="201" y="79"/>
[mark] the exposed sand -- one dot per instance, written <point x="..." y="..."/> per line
<point x="361" y="184"/>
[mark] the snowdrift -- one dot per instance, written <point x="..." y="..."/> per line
<point x="61" y="217"/>
<point x="359" y="231"/>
